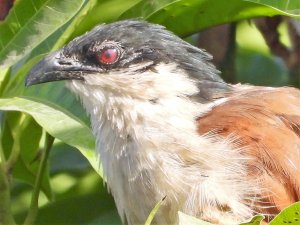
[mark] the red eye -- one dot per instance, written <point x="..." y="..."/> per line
<point x="108" y="55"/>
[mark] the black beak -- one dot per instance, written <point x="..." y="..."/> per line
<point x="54" y="67"/>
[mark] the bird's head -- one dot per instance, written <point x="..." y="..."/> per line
<point x="132" y="58"/>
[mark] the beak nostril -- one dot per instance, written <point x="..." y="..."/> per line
<point x="63" y="62"/>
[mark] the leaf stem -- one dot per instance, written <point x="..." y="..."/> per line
<point x="34" y="204"/>
<point x="5" y="210"/>
<point x="15" y="152"/>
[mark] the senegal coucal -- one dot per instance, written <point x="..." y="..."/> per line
<point x="166" y="125"/>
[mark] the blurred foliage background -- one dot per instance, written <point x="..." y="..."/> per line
<point x="256" y="42"/>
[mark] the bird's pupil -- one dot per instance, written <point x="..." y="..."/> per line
<point x="108" y="56"/>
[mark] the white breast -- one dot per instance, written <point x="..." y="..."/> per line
<point x="152" y="149"/>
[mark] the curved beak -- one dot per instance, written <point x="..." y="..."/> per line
<point x="54" y="67"/>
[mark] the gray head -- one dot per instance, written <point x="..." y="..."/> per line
<point x="128" y="47"/>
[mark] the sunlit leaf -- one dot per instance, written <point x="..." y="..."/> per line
<point x="31" y="22"/>
<point x="291" y="7"/>
<point x="290" y="215"/>
<point x="189" y="16"/>
<point x="56" y="122"/>
<point x="55" y="92"/>
<point x="145" y="8"/>
<point x="72" y="27"/>
<point x="103" y="11"/>
<point x="4" y="77"/>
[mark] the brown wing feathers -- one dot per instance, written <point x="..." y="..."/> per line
<point x="267" y="122"/>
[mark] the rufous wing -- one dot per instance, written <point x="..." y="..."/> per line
<point x="266" y="123"/>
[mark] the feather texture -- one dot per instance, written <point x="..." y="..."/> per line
<point x="150" y="150"/>
<point x="266" y="122"/>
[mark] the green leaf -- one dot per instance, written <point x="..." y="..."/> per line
<point x="31" y="22"/>
<point x="291" y="7"/>
<point x="57" y="122"/>
<point x="145" y="8"/>
<point x="80" y="199"/>
<point x="4" y="77"/>
<point x="16" y="85"/>
<point x="186" y="17"/>
<point x="72" y="27"/>
<point x="60" y="152"/>
<point x="154" y="211"/>
<point x="26" y="167"/>
<point x="79" y="210"/>
<point x="190" y="220"/>
<point x="28" y="175"/>
<point x="290" y="215"/>
<point x="259" y="69"/>
<point x="6" y="132"/>
<point x="55" y="92"/>
<point x="103" y="11"/>
<point x="256" y="220"/>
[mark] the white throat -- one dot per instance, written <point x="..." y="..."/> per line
<point x="147" y="138"/>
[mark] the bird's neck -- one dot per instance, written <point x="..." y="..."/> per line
<point x="153" y="149"/>
<point x="130" y="127"/>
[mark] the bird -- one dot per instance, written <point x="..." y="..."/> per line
<point x="167" y="126"/>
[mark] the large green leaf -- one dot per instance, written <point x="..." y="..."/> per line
<point x="291" y="7"/>
<point x="185" y="17"/>
<point x="31" y="22"/>
<point x="57" y="122"/>
<point x="55" y="92"/>
<point x="73" y="26"/>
